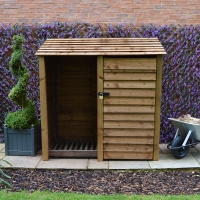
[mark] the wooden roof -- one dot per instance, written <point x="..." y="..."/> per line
<point x="101" y="46"/>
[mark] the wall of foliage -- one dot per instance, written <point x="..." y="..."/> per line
<point x="181" y="65"/>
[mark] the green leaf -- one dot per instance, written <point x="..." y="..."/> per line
<point x="5" y="182"/>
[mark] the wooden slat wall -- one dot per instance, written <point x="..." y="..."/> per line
<point x="49" y="67"/>
<point x="76" y="87"/>
<point x="130" y="108"/>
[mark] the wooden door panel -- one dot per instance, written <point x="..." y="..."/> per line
<point x="129" y="110"/>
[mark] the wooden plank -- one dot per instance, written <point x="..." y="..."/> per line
<point x="91" y="110"/>
<point x="74" y="97"/>
<point x="79" y="117"/>
<point x="128" y="156"/>
<point x="74" y="137"/>
<point x="100" y="48"/>
<point x="101" y="39"/>
<point x="128" y="117"/>
<point x="128" y="140"/>
<point x="73" y="111"/>
<point x="129" y="71"/>
<point x="128" y="124"/>
<point x="129" y="76"/>
<point x="75" y="90"/>
<point x="73" y="153"/>
<point x="113" y="48"/>
<point x="130" y="63"/>
<point x="128" y="101"/>
<point x="79" y="109"/>
<point x="43" y="109"/>
<point x="109" y="41"/>
<point x="64" y="67"/>
<point x="76" y="123"/>
<point x="90" y="47"/>
<point x="76" y="104"/>
<point x="76" y="87"/>
<point x="86" y="81"/>
<point x="97" y="53"/>
<point x="68" y="102"/>
<point x="75" y="75"/>
<point x="70" y="129"/>
<point x="105" y="41"/>
<point x="130" y="84"/>
<point x="74" y="134"/>
<point x="129" y="132"/>
<point x="102" y="43"/>
<point x="77" y="130"/>
<point x="100" y="125"/>
<point x="129" y="147"/>
<point x="157" y="108"/>
<point x="129" y="109"/>
<point x="73" y="68"/>
<point x="130" y="92"/>
<point x="86" y="46"/>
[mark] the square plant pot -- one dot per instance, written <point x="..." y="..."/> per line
<point x="24" y="142"/>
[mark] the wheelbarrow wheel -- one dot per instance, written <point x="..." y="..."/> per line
<point x="180" y="152"/>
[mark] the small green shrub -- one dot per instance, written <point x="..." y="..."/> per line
<point x="25" y="117"/>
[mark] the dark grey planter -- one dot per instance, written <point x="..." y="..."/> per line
<point x="24" y="142"/>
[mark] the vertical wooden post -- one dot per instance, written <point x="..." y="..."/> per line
<point x="158" y="105"/>
<point x="99" y="108"/>
<point x="43" y="109"/>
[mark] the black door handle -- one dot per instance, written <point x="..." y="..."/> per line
<point x="104" y="93"/>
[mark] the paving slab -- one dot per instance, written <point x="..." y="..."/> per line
<point x="167" y="161"/>
<point x="94" y="164"/>
<point x="2" y="155"/>
<point x="164" y="149"/>
<point x="192" y="150"/>
<point x="63" y="164"/>
<point x="2" y="146"/>
<point x="129" y="165"/>
<point x="197" y="147"/>
<point x="197" y="156"/>
<point x="22" y="161"/>
<point x="3" y="150"/>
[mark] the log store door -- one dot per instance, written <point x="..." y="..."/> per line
<point x="126" y="107"/>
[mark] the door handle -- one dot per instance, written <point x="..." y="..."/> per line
<point x="103" y="93"/>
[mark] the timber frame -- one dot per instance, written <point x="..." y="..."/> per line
<point x="103" y="49"/>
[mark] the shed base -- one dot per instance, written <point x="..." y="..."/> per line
<point x="74" y="149"/>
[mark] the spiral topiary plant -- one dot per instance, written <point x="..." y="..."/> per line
<point x="25" y="117"/>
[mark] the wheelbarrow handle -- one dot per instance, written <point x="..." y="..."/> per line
<point x="187" y="138"/>
<point x="177" y="130"/>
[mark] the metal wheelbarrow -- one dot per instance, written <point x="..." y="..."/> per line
<point x="187" y="135"/>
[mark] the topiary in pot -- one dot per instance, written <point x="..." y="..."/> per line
<point x="25" y="117"/>
<point x="22" y="131"/>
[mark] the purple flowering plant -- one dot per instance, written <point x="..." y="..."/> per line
<point x="181" y="65"/>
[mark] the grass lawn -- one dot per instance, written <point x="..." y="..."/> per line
<point x="5" y="195"/>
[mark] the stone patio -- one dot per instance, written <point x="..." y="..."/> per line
<point x="166" y="161"/>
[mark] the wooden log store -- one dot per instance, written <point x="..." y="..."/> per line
<point x="100" y="97"/>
